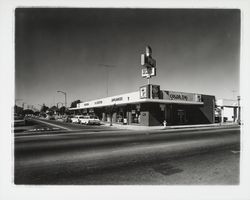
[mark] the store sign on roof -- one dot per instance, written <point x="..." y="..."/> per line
<point x="181" y="96"/>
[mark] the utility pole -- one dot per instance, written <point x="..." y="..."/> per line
<point x="107" y="74"/>
<point x="239" y="110"/>
<point x="65" y="95"/>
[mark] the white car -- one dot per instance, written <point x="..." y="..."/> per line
<point x="76" y="119"/>
<point x="89" y="120"/>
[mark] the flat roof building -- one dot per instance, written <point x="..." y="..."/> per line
<point x="150" y="106"/>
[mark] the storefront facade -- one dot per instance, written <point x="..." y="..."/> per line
<point x="150" y="106"/>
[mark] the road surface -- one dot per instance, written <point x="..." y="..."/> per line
<point x="209" y="156"/>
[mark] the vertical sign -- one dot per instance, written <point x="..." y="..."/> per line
<point x="155" y="91"/>
<point x="148" y="63"/>
<point x="144" y="93"/>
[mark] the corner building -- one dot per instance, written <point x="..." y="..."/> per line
<point x="150" y="106"/>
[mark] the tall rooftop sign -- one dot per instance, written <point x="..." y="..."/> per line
<point x="148" y="63"/>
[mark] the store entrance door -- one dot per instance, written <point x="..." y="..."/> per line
<point x="181" y="116"/>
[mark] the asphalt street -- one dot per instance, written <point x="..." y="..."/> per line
<point x="129" y="157"/>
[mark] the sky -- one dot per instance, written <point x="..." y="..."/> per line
<point x="196" y="50"/>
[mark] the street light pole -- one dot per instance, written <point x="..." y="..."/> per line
<point x="239" y="110"/>
<point x="65" y="95"/>
<point x="107" y="75"/>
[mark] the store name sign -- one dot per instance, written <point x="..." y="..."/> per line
<point x="129" y="97"/>
<point x="117" y="99"/>
<point x="98" y="102"/>
<point x="179" y="96"/>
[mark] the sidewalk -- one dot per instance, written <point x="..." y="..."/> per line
<point x="138" y="127"/>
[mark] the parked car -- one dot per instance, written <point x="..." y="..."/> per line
<point x="19" y="120"/>
<point x="89" y="120"/>
<point x="76" y="119"/>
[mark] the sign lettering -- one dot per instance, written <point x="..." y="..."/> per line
<point x="98" y="102"/>
<point x="178" y="97"/>
<point x="116" y="99"/>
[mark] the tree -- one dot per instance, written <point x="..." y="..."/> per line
<point x="28" y="111"/>
<point x="74" y="103"/>
<point x="44" y="108"/>
<point x="111" y="110"/>
<point x="36" y="113"/>
<point x="53" y="110"/>
<point x="18" y="110"/>
<point x="62" y="110"/>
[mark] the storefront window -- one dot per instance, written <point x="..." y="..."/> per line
<point x="120" y="115"/>
<point x="119" y="118"/>
<point x="135" y="116"/>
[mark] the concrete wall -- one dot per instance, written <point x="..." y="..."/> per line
<point x="153" y="114"/>
<point x="144" y="119"/>
<point x="208" y="109"/>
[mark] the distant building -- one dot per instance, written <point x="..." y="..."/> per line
<point x="228" y="109"/>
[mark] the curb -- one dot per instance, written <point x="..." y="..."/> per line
<point x="141" y="128"/>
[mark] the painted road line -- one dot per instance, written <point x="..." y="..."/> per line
<point x="55" y="125"/>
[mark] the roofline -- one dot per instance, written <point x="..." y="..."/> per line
<point x="144" y="101"/>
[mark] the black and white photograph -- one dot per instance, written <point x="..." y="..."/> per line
<point x="127" y="96"/>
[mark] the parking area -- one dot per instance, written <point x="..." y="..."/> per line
<point x="45" y="126"/>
